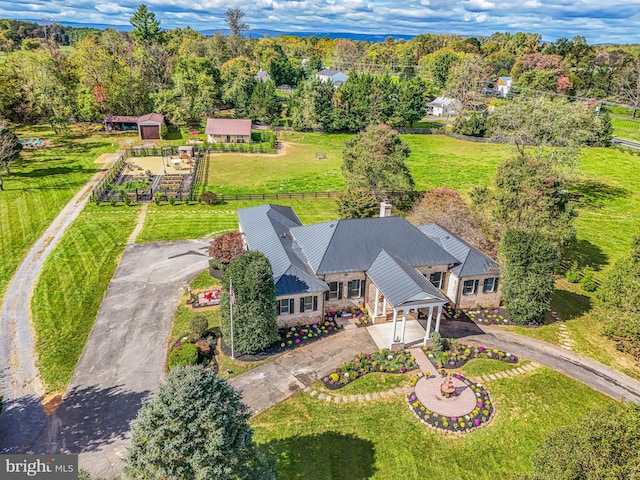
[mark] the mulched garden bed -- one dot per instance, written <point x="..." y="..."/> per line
<point x="457" y="355"/>
<point x="480" y="416"/>
<point x="381" y="361"/>
<point x="289" y="338"/>
<point x="206" y="349"/>
<point x="487" y="316"/>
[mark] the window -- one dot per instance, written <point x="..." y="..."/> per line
<point x="285" y="306"/>
<point x="436" y="279"/>
<point x="355" y="288"/>
<point x="470" y="287"/>
<point x="490" y="285"/>
<point x="335" y="291"/>
<point x="309" y="304"/>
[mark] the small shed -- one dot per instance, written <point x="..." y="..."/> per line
<point x="149" y="126"/>
<point x="121" y="123"/>
<point x="185" y="152"/>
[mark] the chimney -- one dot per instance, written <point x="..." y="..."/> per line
<point x="385" y="208"/>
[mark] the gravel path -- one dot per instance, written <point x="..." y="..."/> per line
<point x="22" y="390"/>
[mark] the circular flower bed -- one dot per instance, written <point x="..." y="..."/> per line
<point x="457" y="355"/>
<point x="380" y="361"/>
<point x="464" y="422"/>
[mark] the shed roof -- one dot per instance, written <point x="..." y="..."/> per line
<point x="443" y="102"/>
<point x="471" y="261"/>
<point x="401" y="283"/>
<point x="228" y="126"/>
<point x="151" y="117"/>
<point x="121" y="119"/>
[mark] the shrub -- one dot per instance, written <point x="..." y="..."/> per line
<point x="198" y="325"/>
<point x="209" y="198"/>
<point x="588" y="282"/>
<point x="172" y="200"/>
<point x="573" y="275"/>
<point x="185" y="354"/>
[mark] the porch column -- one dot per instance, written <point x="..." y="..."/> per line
<point x="384" y="306"/>
<point x="404" y="324"/>
<point x="377" y="301"/>
<point x="438" y="319"/>
<point x="426" y="335"/>
<point x="395" y="324"/>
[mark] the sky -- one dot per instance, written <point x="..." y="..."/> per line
<point x="599" y="21"/>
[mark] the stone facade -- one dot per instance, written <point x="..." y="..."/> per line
<point x="479" y="298"/>
<point x="345" y="302"/>
<point x="302" y="318"/>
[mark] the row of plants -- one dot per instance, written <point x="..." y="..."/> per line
<point x="495" y="316"/>
<point x="397" y="362"/>
<point x="195" y="348"/>
<point x="359" y="313"/>
<point x="479" y="416"/>
<point x="449" y="353"/>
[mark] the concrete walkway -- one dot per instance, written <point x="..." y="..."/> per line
<point x="277" y="380"/>
<point x="123" y="359"/>
<point x="22" y="390"/>
<point x="594" y="374"/>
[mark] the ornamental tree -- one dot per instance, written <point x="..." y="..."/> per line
<point x="10" y="149"/>
<point x="225" y="248"/>
<point x="195" y="427"/>
<point x="254" y="315"/>
<point x="528" y="264"/>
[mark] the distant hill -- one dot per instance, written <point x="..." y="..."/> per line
<point x="259" y="32"/>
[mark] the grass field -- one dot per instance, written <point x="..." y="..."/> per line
<point x="383" y="440"/>
<point x="40" y="184"/>
<point x="71" y="287"/>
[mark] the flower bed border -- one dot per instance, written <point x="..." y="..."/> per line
<point x="377" y="368"/>
<point x="435" y="420"/>
<point x="212" y="339"/>
<point x="276" y="347"/>
<point x="474" y="352"/>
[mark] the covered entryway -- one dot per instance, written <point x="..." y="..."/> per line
<point x="402" y="289"/>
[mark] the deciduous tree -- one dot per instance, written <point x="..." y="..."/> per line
<point x="225" y="248"/>
<point x="195" y="427"/>
<point x="627" y="85"/>
<point x="10" y="149"/>
<point x="233" y="19"/>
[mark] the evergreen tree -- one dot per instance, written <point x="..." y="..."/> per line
<point x="254" y="314"/>
<point x="195" y="427"/>
<point x="528" y="264"/>
<point x="146" y="27"/>
<point x="264" y="106"/>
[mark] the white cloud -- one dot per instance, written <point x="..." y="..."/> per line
<point x="112" y="8"/>
<point x="480" y="5"/>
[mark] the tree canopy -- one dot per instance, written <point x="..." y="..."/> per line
<point x="146" y="27"/>
<point x="195" y="427"/>
<point x="254" y="314"/>
<point x="225" y="248"/>
<point x="10" y="149"/>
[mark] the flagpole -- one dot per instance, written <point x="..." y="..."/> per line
<point x="231" y="302"/>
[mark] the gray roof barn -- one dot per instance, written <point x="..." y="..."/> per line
<point x="471" y="261"/>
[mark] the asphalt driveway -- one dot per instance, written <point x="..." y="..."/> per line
<point x="124" y="356"/>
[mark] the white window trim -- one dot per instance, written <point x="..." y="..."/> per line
<point x="474" y="291"/>
<point x="439" y="285"/>
<point x="359" y="289"/>
<point x="284" y="301"/>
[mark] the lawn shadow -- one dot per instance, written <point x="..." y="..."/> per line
<point x="324" y="456"/>
<point x="586" y="253"/>
<point x="46" y="172"/>
<point x="88" y="419"/>
<point x="569" y="305"/>
<point x="594" y="194"/>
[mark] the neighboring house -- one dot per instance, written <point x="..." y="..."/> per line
<point x="502" y="86"/>
<point x="385" y="264"/>
<point x="263" y="76"/>
<point x="334" y="76"/>
<point x="148" y="126"/>
<point x="228" y="130"/>
<point x="444" y="107"/>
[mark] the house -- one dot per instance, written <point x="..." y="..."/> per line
<point x="263" y="76"/>
<point x="336" y="77"/>
<point x="385" y="264"/>
<point x="228" y="130"/>
<point x="444" y="107"/>
<point x="502" y="86"/>
<point x="148" y="126"/>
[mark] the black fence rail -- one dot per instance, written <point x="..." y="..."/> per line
<point x="112" y="175"/>
<point x="294" y="195"/>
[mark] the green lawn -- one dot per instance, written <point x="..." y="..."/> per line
<point x="484" y="366"/>
<point x="383" y="440"/>
<point x="40" y="184"/>
<point x="626" y="128"/>
<point x="71" y="287"/>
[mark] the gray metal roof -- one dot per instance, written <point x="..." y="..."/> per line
<point x="400" y="283"/>
<point x="266" y="229"/>
<point x="352" y="245"/>
<point x="471" y="261"/>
